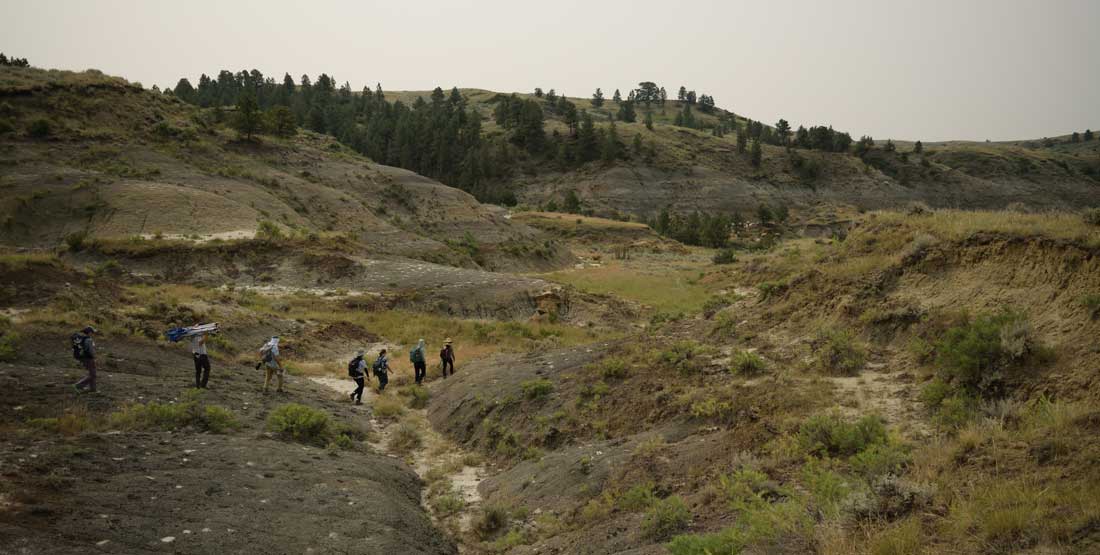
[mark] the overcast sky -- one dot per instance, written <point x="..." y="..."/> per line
<point x="906" y="69"/>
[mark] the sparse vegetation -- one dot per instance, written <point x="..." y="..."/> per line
<point x="191" y="412"/>
<point x="747" y="364"/>
<point x="665" y="518"/>
<point x="536" y="389"/>
<point x="838" y="352"/>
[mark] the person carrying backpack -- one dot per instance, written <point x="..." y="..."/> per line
<point x="357" y="369"/>
<point x="84" y="351"/>
<point x="269" y="357"/>
<point x="420" y="363"/>
<point x="447" y="357"/>
<point x="381" y="370"/>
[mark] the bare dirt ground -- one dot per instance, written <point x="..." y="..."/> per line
<point x="115" y="491"/>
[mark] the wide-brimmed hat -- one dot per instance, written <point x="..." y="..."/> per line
<point x="447" y="341"/>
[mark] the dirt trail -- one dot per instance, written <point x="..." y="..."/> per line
<point x="435" y="452"/>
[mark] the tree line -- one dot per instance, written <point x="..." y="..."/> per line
<point x="13" y="62"/>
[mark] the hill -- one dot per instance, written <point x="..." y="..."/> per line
<point x="535" y="148"/>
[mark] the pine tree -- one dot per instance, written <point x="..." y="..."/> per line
<point x="612" y="146"/>
<point x="597" y="98"/>
<point x="1075" y="138"/>
<point x="1088" y="134"/>
<point x="281" y="121"/>
<point x="184" y="91"/>
<point x="572" y="203"/>
<point x="649" y="121"/>
<point x="538" y="92"/>
<point x="248" y="119"/>
<point x="783" y="131"/>
<point x="890" y="147"/>
<point x="617" y="98"/>
<point x="663" y="97"/>
<point x="637" y="146"/>
<point x="682" y="95"/>
<point x="626" y="112"/>
<point x="918" y="147"/>
<point x="742" y="140"/>
<point x="587" y="147"/>
<point x="757" y="153"/>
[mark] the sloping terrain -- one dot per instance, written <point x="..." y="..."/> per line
<point x="116" y="161"/>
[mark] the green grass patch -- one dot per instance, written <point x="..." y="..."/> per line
<point x="747" y="364"/>
<point x="537" y="389"/>
<point x="667" y="291"/>
<point x="192" y="412"/>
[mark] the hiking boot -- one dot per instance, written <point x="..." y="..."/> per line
<point x="358" y="401"/>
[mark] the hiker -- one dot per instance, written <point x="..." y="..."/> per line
<point x="357" y="369"/>
<point x="269" y="357"/>
<point x="202" y="362"/>
<point x="84" y="351"/>
<point x="447" y="357"/>
<point x="420" y="364"/>
<point x="381" y="370"/>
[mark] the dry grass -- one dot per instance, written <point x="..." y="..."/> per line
<point x="670" y="290"/>
<point x="956" y="225"/>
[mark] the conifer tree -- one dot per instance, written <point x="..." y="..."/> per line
<point x="649" y="121"/>
<point x="626" y="112"/>
<point x="682" y="95"/>
<point x="587" y="147"/>
<point x="757" y="153"/>
<point x="742" y="140"/>
<point x="281" y="121"/>
<point x="248" y="119"/>
<point x="918" y="147"/>
<point x="637" y="145"/>
<point x="597" y="98"/>
<point x="612" y="146"/>
<point x="1088" y="134"/>
<point x="538" y="92"/>
<point x="783" y="131"/>
<point x="617" y="98"/>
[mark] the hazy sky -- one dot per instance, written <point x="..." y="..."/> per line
<point x="907" y="69"/>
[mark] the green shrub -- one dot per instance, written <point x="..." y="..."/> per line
<point x="934" y="393"/>
<point x="405" y="438"/>
<point x="747" y="364"/>
<point x="724" y="256"/>
<point x="40" y="129"/>
<point x="770" y="289"/>
<point x="614" y="368"/>
<point x="75" y="241"/>
<point x="665" y="518"/>
<point x="712" y="408"/>
<point x="827" y="488"/>
<point x="974" y="356"/>
<point x="418" y="396"/>
<point x="830" y="434"/>
<point x="450" y="503"/>
<point x="191" y="412"/>
<point x="301" y="423"/>
<point x="725" y="326"/>
<point x="1091" y="302"/>
<point x="385" y="406"/>
<point x="684" y="356"/>
<point x="839" y="352"/>
<point x="9" y="345"/>
<point x="637" y="498"/>
<point x="269" y="231"/>
<point x="493" y="519"/>
<point x="879" y="460"/>
<point x="954" y="412"/>
<point x="536" y="389"/>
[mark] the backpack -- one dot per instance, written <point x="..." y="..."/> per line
<point x="79" y="350"/>
<point x="416" y="355"/>
<point x="353" y="367"/>
<point x="266" y="353"/>
<point x="379" y="366"/>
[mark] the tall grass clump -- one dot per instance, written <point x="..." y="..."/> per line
<point x="839" y="352"/>
<point x="297" y="422"/>
<point x="747" y="364"/>
<point x="665" y="518"/>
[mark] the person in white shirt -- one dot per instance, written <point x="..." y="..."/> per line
<point x="202" y="361"/>
<point x="269" y="356"/>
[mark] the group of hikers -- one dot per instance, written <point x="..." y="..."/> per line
<point x="84" y="351"/>
<point x="357" y="367"/>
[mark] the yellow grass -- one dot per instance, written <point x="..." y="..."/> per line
<point x="668" y="290"/>
<point x="962" y="224"/>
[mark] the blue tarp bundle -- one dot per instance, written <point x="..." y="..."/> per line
<point x="175" y="334"/>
